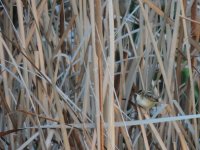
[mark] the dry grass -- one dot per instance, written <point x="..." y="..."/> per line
<point x="70" y="69"/>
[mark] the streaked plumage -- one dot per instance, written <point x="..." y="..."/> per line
<point x="146" y="99"/>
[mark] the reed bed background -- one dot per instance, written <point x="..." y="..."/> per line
<point x="69" y="70"/>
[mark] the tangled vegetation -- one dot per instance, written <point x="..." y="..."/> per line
<point x="70" y="70"/>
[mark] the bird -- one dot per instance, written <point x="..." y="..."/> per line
<point x="145" y="99"/>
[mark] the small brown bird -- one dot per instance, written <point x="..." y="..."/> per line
<point x="145" y="99"/>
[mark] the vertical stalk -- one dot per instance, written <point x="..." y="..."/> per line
<point x="96" y="83"/>
<point x="99" y="46"/>
<point x="111" y="127"/>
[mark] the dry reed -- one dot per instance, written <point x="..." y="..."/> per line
<point x="70" y="69"/>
